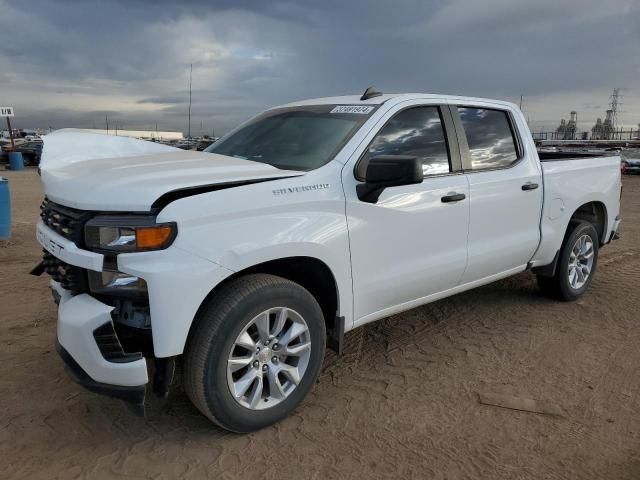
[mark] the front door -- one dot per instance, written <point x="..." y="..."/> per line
<point x="411" y="243"/>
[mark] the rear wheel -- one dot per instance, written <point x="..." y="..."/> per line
<point x="576" y="265"/>
<point x="255" y="352"/>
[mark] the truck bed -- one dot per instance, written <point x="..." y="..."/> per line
<point x="567" y="186"/>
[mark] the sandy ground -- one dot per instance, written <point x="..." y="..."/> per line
<point x="401" y="403"/>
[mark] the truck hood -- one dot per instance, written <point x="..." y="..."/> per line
<point x="133" y="179"/>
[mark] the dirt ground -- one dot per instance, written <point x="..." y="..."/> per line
<point x="401" y="403"/>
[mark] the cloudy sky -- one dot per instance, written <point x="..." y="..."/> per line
<point x="71" y="62"/>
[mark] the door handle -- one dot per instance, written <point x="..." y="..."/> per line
<point x="453" y="197"/>
<point x="529" y="186"/>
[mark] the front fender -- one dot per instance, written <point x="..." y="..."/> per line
<point x="239" y="228"/>
<point x="177" y="284"/>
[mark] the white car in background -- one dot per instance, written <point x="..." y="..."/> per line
<point x="242" y="262"/>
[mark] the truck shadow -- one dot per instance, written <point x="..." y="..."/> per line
<point x="514" y="299"/>
<point x="518" y="295"/>
<point x="389" y="334"/>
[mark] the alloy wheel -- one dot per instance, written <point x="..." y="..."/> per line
<point x="580" y="262"/>
<point x="268" y="358"/>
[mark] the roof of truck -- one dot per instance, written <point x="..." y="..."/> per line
<point x="350" y="99"/>
<point x="378" y="100"/>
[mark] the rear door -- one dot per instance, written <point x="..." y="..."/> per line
<point x="411" y="243"/>
<point x="505" y="186"/>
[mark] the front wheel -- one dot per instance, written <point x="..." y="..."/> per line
<point x="255" y="352"/>
<point x="576" y="265"/>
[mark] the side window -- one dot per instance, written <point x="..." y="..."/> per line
<point x="489" y="136"/>
<point x="417" y="132"/>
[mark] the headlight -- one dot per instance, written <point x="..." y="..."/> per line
<point x="128" y="233"/>
<point x="110" y="283"/>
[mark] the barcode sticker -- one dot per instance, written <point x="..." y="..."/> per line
<point x="361" y="109"/>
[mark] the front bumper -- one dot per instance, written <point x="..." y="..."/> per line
<point x="177" y="284"/>
<point x="134" y="395"/>
<point x="120" y="376"/>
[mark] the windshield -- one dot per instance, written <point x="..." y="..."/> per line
<point x="296" y="138"/>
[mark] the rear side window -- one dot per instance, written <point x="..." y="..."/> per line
<point x="490" y="138"/>
<point x="417" y="132"/>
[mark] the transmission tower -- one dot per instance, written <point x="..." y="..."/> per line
<point x="614" y="102"/>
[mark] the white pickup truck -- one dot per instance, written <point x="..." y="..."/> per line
<point x="242" y="263"/>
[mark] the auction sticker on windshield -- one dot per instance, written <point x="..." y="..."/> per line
<point x="362" y="109"/>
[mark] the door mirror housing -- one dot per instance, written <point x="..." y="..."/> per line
<point x="385" y="171"/>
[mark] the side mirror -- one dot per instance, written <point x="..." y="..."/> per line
<point x="385" y="171"/>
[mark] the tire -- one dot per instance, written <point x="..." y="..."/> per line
<point x="208" y="380"/>
<point x="561" y="285"/>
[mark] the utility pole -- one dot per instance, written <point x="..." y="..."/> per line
<point x="106" y="121"/>
<point x="520" y="102"/>
<point x="190" y="76"/>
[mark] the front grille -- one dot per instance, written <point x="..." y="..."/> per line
<point x="65" y="221"/>
<point x="70" y="277"/>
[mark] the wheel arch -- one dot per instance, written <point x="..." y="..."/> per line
<point x="594" y="212"/>
<point x="311" y="273"/>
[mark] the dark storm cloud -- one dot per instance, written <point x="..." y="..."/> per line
<point x="68" y="62"/>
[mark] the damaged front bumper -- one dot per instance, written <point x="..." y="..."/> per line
<point x="91" y="351"/>
<point x="94" y="327"/>
<point x="134" y="395"/>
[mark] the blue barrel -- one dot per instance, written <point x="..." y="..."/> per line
<point x="5" y="209"/>
<point x="15" y="161"/>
